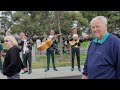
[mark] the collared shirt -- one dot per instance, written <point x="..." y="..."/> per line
<point x="103" y="59"/>
<point x="25" y="48"/>
<point x="102" y="40"/>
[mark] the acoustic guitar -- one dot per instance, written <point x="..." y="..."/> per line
<point x="46" y="44"/>
<point x="73" y="42"/>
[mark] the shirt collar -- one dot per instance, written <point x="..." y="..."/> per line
<point x="102" y="40"/>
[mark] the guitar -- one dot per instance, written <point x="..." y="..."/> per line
<point x="73" y="42"/>
<point x="47" y="43"/>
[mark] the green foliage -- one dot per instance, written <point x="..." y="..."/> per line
<point x="5" y="20"/>
<point x="40" y="22"/>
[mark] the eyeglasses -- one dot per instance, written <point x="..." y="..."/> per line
<point x="6" y="40"/>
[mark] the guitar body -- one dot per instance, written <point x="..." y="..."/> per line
<point x="73" y="42"/>
<point x="45" y="45"/>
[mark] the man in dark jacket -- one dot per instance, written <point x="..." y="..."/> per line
<point x="103" y="55"/>
<point x="75" y="47"/>
<point x="26" y="44"/>
<point x="50" y="51"/>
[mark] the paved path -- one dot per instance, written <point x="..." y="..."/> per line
<point x="40" y="74"/>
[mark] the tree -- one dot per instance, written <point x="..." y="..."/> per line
<point x="112" y="16"/>
<point x="5" y="21"/>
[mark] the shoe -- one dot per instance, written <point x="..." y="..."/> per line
<point x="79" y="69"/>
<point x="29" y="72"/>
<point x="72" y="69"/>
<point x="46" y="69"/>
<point x="24" y="72"/>
<point x="55" y="69"/>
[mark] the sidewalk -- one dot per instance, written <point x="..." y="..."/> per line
<point x="40" y="74"/>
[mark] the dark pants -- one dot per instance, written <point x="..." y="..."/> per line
<point x="77" y="52"/>
<point x="50" y="53"/>
<point x="1" y="67"/>
<point x="27" y="57"/>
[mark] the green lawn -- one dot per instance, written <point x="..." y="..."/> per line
<point x="66" y="61"/>
<point x="41" y="61"/>
<point x="84" y="44"/>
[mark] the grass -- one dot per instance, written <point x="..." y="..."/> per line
<point x="41" y="61"/>
<point x="84" y="44"/>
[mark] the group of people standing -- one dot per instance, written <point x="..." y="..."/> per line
<point x="75" y="48"/>
<point x="102" y="62"/>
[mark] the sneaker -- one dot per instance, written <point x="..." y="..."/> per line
<point x="29" y="72"/>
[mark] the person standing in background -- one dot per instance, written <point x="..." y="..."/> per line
<point x="26" y="44"/>
<point x="75" y="48"/>
<point x="50" y="51"/>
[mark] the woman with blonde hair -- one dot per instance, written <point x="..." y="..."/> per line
<point x="12" y="64"/>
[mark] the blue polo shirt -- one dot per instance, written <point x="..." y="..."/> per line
<point x="103" y="59"/>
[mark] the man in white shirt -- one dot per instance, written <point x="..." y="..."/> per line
<point x="26" y="44"/>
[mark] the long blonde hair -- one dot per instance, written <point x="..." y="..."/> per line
<point x="12" y="39"/>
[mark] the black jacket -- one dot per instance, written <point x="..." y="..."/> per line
<point x="30" y="43"/>
<point x="12" y="62"/>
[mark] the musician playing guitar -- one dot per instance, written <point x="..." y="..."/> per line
<point x="50" y="50"/>
<point x="75" y="44"/>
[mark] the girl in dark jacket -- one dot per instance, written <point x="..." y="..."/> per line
<point x="12" y="64"/>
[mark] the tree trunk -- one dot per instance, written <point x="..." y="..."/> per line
<point x="58" y="22"/>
